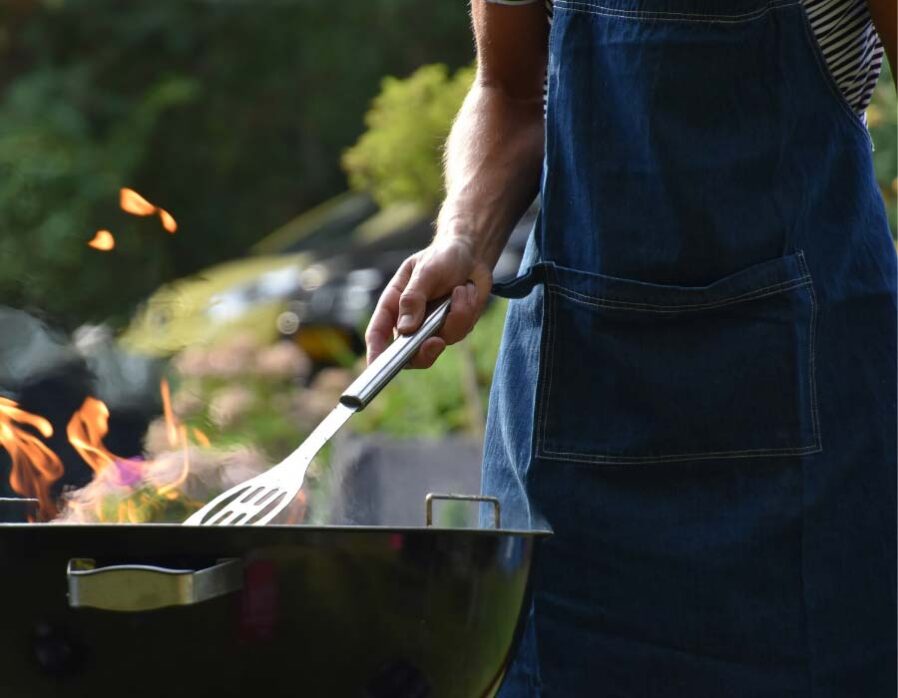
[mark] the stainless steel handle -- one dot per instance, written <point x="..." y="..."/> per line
<point x="134" y="588"/>
<point x="385" y="367"/>
<point x="429" y="499"/>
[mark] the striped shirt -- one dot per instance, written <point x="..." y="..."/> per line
<point x="847" y="40"/>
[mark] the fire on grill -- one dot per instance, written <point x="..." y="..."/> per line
<point x="373" y="611"/>
<point x="180" y="471"/>
<point x="355" y="610"/>
<point x="188" y="199"/>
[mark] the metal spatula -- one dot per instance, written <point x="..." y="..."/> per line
<point x="259" y="500"/>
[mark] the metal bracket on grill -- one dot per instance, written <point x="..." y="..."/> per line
<point x="428" y="505"/>
<point x="135" y="588"/>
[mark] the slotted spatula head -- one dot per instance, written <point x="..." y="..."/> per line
<point x="259" y="500"/>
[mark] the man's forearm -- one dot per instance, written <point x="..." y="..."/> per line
<point x="493" y="161"/>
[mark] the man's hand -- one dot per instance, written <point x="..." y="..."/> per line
<point x="493" y="161"/>
<point x="444" y="267"/>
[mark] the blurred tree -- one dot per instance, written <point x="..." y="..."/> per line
<point x="882" y="117"/>
<point x="399" y="157"/>
<point x="230" y="115"/>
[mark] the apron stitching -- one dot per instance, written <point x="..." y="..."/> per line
<point x="581" y="3"/>
<point x="671" y="16"/>
<point x="549" y="314"/>
<point x="635" y="460"/>
<point x="606" y="302"/>
<point x="802" y="575"/>
<point x="812" y="359"/>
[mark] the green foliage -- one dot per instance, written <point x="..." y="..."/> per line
<point x="242" y="406"/>
<point x="230" y="115"/>
<point x="398" y="158"/>
<point x="146" y="505"/>
<point x="59" y="179"/>
<point x="882" y="117"/>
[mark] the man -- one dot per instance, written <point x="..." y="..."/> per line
<point x="696" y="386"/>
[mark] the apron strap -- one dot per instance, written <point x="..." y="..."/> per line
<point x="520" y="286"/>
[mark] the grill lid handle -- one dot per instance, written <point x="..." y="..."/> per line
<point x="135" y="588"/>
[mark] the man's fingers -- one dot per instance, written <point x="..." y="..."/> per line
<point x="468" y="302"/>
<point x="424" y="285"/>
<point x="462" y="314"/>
<point x="379" y="333"/>
<point x="482" y="278"/>
<point x="380" y="328"/>
<point x="411" y="310"/>
<point x="426" y="277"/>
<point x="428" y="353"/>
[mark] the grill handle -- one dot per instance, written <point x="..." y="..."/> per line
<point x="135" y="588"/>
<point x="385" y="367"/>
<point x="429" y="499"/>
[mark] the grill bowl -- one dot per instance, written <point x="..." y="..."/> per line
<point x="322" y="611"/>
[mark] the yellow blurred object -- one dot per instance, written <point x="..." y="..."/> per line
<point x="324" y="344"/>
<point x="200" y="309"/>
<point x="874" y="116"/>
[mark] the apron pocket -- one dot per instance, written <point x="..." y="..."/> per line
<point x="632" y="372"/>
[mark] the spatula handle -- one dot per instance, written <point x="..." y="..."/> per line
<point x="385" y="367"/>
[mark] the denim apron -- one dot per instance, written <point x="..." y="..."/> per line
<point x="696" y="387"/>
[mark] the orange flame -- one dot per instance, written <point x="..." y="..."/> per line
<point x="168" y="222"/>
<point x="170" y="487"/>
<point x="175" y="431"/>
<point x="86" y="430"/>
<point x="200" y="437"/>
<point x="34" y="466"/>
<point x="132" y="202"/>
<point x="177" y="436"/>
<point x="103" y="241"/>
<point x="171" y="422"/>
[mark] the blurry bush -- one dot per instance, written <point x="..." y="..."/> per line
<point x="238" y="406"/>
<point x="882" y="118"/>
<point x="230" y="115"/>
<point x="254" y="403"/>
<point x="240" y="392"/>
<point x="399" y="158"/>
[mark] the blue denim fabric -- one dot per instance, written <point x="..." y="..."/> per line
<point x="696" y="387"/>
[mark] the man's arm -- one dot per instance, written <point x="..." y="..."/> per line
<point x="885" y="19"/>
<point x="492" y="165"/>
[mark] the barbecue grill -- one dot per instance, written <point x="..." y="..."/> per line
<point x="331" y="611"/>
